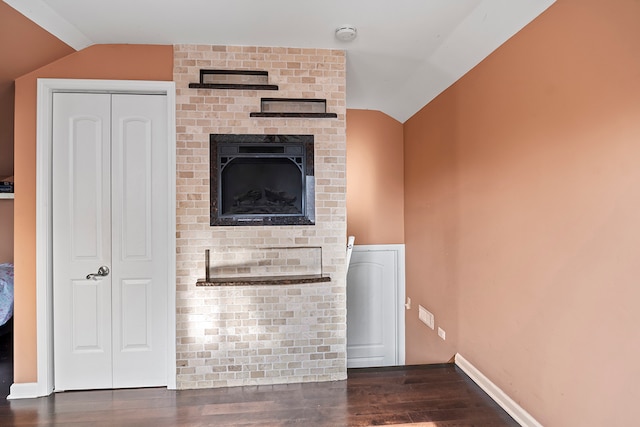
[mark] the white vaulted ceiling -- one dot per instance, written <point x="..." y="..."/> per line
<point x="405" y="54"/>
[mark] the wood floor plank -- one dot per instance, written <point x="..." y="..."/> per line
<point x="427" y="396"/>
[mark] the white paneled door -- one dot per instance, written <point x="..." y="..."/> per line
<point x="374" y="297"/>
<point x="109" y="240"/>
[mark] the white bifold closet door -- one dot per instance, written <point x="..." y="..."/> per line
<point x="109" y="240"/>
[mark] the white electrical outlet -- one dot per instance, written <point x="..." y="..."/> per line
<point x="441" y="333"/>
<point x="408" y="304"/>
<point x="426" y="316"/>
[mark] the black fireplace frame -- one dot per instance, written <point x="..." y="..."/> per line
<point x="226" y="145"/>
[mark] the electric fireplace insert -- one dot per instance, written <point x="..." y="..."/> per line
<point x="262" y="179"/>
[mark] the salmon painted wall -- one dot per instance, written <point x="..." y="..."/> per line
<point x="24" y="47"/>
<point x="529" y="182"/>
<point x="431" y="229"/>
<point x="375" y="178"/>
<point x="118" y="62"/>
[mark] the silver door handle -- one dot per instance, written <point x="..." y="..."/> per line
<point x="102" y="272"/>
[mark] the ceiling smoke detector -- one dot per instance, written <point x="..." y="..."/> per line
<point x="346" y="33"/>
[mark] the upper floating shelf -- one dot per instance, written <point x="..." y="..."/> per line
<point x="259" y="80"/>
<point x="234" y="79"/>
<point x="293" y="107"/>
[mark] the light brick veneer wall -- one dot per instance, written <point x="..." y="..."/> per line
<point x="230" y="336"/>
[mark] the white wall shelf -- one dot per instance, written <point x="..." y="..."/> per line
<point x="6" y="196"/>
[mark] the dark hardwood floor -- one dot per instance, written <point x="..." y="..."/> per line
<point x="432" y="395"/>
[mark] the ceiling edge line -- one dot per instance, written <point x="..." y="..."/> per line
<point x="45" y="17"/>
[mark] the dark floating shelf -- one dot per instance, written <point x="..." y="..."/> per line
<point x="293" y="107"/>
<point x="269" y="107"/>
<point x="234" y="79"/>
<point x="298" y="115"/>
<point x="232" y="86"/>
<point x="263" y="280"/>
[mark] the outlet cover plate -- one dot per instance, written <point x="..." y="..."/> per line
<point x="441" y="333"/>
<point x="426" y="317"/>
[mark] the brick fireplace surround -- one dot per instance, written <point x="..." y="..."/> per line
<point x="266" y="334"/>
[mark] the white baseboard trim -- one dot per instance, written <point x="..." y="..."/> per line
<point x="23" y="391"/>
<point x="521" y="416"/>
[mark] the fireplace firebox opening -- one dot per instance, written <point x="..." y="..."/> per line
<point x="262" y="179"/>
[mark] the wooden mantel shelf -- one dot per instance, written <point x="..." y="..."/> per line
<point x="263" y="280"/>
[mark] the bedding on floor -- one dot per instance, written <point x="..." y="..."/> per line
<point x="6" y="293"/>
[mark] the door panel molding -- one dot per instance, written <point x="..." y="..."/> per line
<point x="86" y="128"/>
<point x="137" y="303"/>
<point x="87" y="309"/>
<point x="44" y="265"/>
<point x="135" y="180"/>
